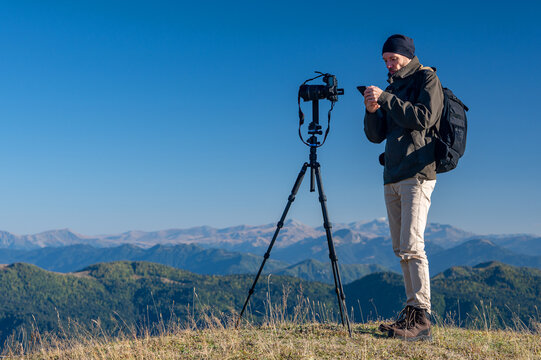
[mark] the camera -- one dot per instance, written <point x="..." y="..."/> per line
<point x="328" y="91"/>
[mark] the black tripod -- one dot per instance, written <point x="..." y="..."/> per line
<point x="313" y="129"/>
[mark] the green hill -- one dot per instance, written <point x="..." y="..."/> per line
<point x="133" y="293"/>
<point x="139" y="295"/>
<point x="490" y="294"/>
<point x="493" y="292"/>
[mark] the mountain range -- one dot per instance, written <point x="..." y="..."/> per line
<point x="227" y="238"/>
<point x="242" y="237"/>
<point x="300" y="250"/>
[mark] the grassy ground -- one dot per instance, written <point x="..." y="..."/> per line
<point x="290" y="341"/>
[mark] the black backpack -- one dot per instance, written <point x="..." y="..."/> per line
<point x="450" y="133"/>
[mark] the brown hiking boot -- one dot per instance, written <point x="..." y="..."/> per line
<point x="400" y="320"/>
<point x="416" y="327"/>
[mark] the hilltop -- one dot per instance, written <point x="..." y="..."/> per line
<point x="286" y="340"/>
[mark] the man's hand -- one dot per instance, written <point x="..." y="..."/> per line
<point x="371" y="96"/>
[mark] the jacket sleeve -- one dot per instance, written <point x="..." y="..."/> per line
<point x="421" y="115"/>
<point x="374" y="126"/>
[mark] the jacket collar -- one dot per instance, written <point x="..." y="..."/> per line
<point x="406" y="71"/>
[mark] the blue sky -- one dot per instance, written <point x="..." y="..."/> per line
<point x="147" y="115"/>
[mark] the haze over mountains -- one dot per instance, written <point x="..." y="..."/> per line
<point x="230" y="237"/>
<point x="300" y="250"/>
<point x="240" y="237"/>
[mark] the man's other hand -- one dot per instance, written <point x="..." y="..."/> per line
<point x="371" y="96"/>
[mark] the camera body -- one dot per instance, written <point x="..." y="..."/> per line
<point x="328" y="91"/>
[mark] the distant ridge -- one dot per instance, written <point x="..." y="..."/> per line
<point x="189" y="257"/>
<point x="57" y="238"/>
<point x="238" y="249"/>
<point x="478" y="251"/>
<point x="241" y="237"/>
<point x="255" y="236"/>
<point x="182" y="256"/>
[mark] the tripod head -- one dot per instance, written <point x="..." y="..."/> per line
<point x="314" y="93"/>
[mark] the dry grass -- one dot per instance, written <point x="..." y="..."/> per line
<point x="287" y="341"/>
<point x="309" y="332"/>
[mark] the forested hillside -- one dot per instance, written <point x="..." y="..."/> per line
<point x="139" y="295"/>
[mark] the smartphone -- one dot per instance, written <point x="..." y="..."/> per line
<point x="361" y="89"/>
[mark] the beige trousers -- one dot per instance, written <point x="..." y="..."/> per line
<point x="407" y="203"/>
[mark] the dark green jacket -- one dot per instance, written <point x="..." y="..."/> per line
<point x="410" y="106"/>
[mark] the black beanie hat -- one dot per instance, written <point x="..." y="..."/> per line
<point x="399" y="44"/>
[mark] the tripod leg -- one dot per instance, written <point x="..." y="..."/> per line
<point x="332" y="254"/>
<point x="280" y="224"/>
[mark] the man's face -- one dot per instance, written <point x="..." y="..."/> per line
<point x="394" y="62"/>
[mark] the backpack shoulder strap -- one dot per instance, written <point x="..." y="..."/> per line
<point x="421" y="73"/>
<point x="421" y="76"/>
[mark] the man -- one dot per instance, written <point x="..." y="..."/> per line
<point x="405" y="115"/>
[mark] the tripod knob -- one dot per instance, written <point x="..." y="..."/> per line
<point x="313" y="126"/>
<point x="312" y="140"/>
